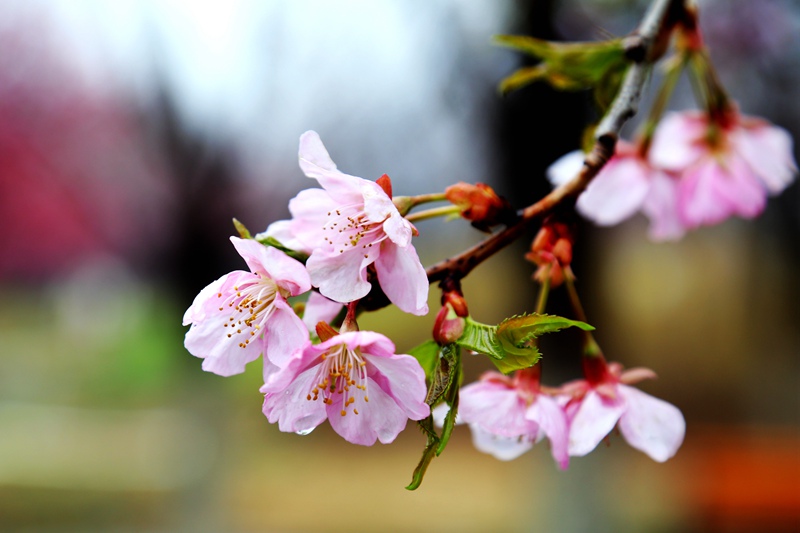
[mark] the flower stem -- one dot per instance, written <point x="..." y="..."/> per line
<point x="673" y="73"/>
<point x="434" y="212"/>
<point x="425" y="198"/>
<point x="590" y="346"/>
<point x="350" y="323"/>
<point x="544" y="291"/>
<point x="405" y="204"/>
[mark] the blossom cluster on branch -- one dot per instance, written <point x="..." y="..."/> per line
<point x="347" y="249"/>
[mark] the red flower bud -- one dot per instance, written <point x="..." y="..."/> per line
<point x="552" y="251"/>
<point x="479" y="203"/>
<point x="448" y="326"/>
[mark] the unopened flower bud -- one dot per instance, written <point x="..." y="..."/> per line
<point x="552" y="251"/>
<point x="448" y="327"/>
<point x="478" y="203"/>
<point x="457" y="301"/>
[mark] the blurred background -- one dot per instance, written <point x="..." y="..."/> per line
<point x="131" y="132"/>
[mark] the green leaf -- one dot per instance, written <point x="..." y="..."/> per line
<point x="275" y="243"/>
<point x="522" y="77"/>
<point x="481" y="338"/>
<point x="427" y="354"/>
<point x="444" y="385"/>
<point x="517" y="334"/>
<point x="244" y="233"/>
<point x="522" y="328"/>
<point x="451" y="352"/>
<point x="566" y="66"/>
<point x="511" y="344"/>
<point x="426" y="425"/>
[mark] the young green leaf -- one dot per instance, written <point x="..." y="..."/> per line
<point x="275" y="243"/>
<point x="427" y="354"/>
<point x="451" y="352"/>
<point x="567" y="66"/>
<point x="243" y="232"/>
<point x="426" y="425"/>
<point x="444" y="384"/>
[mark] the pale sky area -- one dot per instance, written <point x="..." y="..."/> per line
<point x="394" y="79"/>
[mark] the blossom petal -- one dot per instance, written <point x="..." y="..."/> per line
<point x="709" y="193"/>
<point x="281" y="230"/>
<point x="661" y="207"/>
<point x="288" y="273"/>
<point x="205" y="302"/>
<point x="316" y="163"/>
<point x="565" y="168"/>
<point x="402" y="278"/>
<point x="651" y="425"/>
<point x="379" y="419"/>
<point x="496" y="408"/>
<point x="369" y="342"/>
<point x="503" y="448"/>
<point x="208" y="336"/>
<point x="286" y="334"/>
<point x="617" y="192"/>
<point x="290" y="407"/>
<point x="319" y="309"/>
<point x="403" y="379"/>
<point x="342" y="277"/>
<point x="311" y="210"/>
<point x="552" y="420"/>
<point x="675" y="142"/>
<point x="593" y="420"/>
<point x="767" y="149"/>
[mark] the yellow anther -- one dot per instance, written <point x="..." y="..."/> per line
<point x="344" y="412"/>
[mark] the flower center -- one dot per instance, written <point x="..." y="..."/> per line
<point x="342" y="372"/>
<point x="348" y="228"/>
<point x="251" y="304"/>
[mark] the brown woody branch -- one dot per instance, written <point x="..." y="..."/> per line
<point x="643" y="47"/>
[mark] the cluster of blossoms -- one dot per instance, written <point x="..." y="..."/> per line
<point x="348" y="247"/>
<point x="353" y="378"/>
<point x="509" y="414"/>
<point x="698" y="171"/>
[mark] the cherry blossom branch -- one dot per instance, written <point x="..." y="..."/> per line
<point x="643" y="47"/>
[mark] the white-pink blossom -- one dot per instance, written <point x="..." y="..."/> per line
<point x="726" y="168"/>
<point x="696" y="172"/>
<point x="626" y="184"/>
<point x="650" y="425"/>
<point x="355" y="381"/>
<point x="243" y="315"/>
<point x="508" y="415"/>
<point x="320" y="309"/>
<point x="348" y="225"/>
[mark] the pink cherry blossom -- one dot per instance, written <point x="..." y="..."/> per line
<point x="727" y="167"/>
<point x="650" y="425"/>
<point x="245" y="314"/>
<point x="320" y="309"/>
<point x="356" y="381"/>
<point x="348" y="225"/>
<point x="507" y="415"/>
<point x="626" y="185"/>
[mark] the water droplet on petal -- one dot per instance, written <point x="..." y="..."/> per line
<point x="304" y="431"/>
